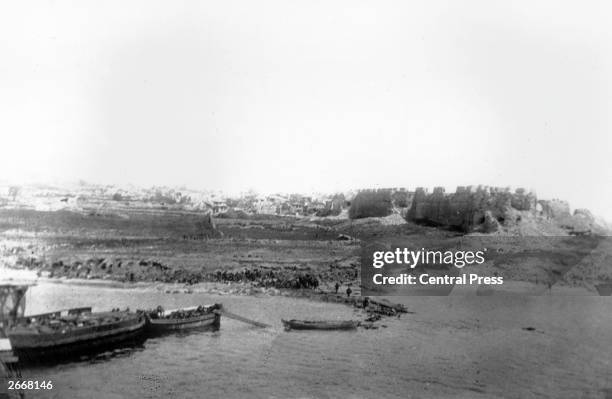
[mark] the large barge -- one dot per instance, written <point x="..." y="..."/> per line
<point x="73" y="331"/>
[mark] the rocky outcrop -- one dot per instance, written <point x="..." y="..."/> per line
<point x="585" y="215"/>
<point x="581" y="222"/>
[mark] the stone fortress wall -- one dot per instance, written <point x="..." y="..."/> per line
<point x="484" y="208"/>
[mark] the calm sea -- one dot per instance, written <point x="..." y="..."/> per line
<point x="450" y="347"/>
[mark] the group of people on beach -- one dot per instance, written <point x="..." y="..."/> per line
<point x="349" y="291"/>
<point x="269" y="278"/>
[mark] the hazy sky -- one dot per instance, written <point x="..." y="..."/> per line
<point x="310" y="95"/>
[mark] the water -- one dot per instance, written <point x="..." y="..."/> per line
<point x="451" y="347"/>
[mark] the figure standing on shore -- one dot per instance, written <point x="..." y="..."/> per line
<point x="348" y="292"/>
<point x="337" y="286"/>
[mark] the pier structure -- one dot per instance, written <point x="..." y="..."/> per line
<point x="12" y="306"/>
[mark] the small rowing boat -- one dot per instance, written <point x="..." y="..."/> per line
<point x="320" y="324"/>
<point x="160" y="320"/>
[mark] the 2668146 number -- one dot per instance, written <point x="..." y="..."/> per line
<point x="29" y="385"/>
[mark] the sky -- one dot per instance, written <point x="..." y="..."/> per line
<point x="301" y="96"/>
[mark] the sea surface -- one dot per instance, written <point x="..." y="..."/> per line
<point x="467" y="347"/>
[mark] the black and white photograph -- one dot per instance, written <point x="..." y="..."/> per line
<point x="285" y="199"/>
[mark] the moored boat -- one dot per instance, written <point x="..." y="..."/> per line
<point x="161" y="321"/>
<point x="320" y="324"/>
<point x="72" y="331"/>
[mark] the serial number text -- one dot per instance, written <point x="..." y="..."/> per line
<point x="29" y="385"/>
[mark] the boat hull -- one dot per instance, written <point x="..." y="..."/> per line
<point x="86" y="340"/>
<point x="320" y="325"/>
<point x="160" y="326"/>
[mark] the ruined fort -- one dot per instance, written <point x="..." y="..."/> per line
<point x="484" y="208"/>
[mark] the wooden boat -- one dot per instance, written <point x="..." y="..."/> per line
<point x="320" y="324"/>
<point x="72" y="331"/>
<point x="160" y="321"/>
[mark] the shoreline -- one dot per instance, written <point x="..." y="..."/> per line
<point x="509" y="287"/>
<point x="377" y="308"/>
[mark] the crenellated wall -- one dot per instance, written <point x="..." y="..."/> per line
<point x="469" y="208"/>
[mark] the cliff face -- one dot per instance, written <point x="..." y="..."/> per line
<point x="470" y="208"/>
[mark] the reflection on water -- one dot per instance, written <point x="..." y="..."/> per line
<point x="124" y="348"/>
<point x="451" y="347"/>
